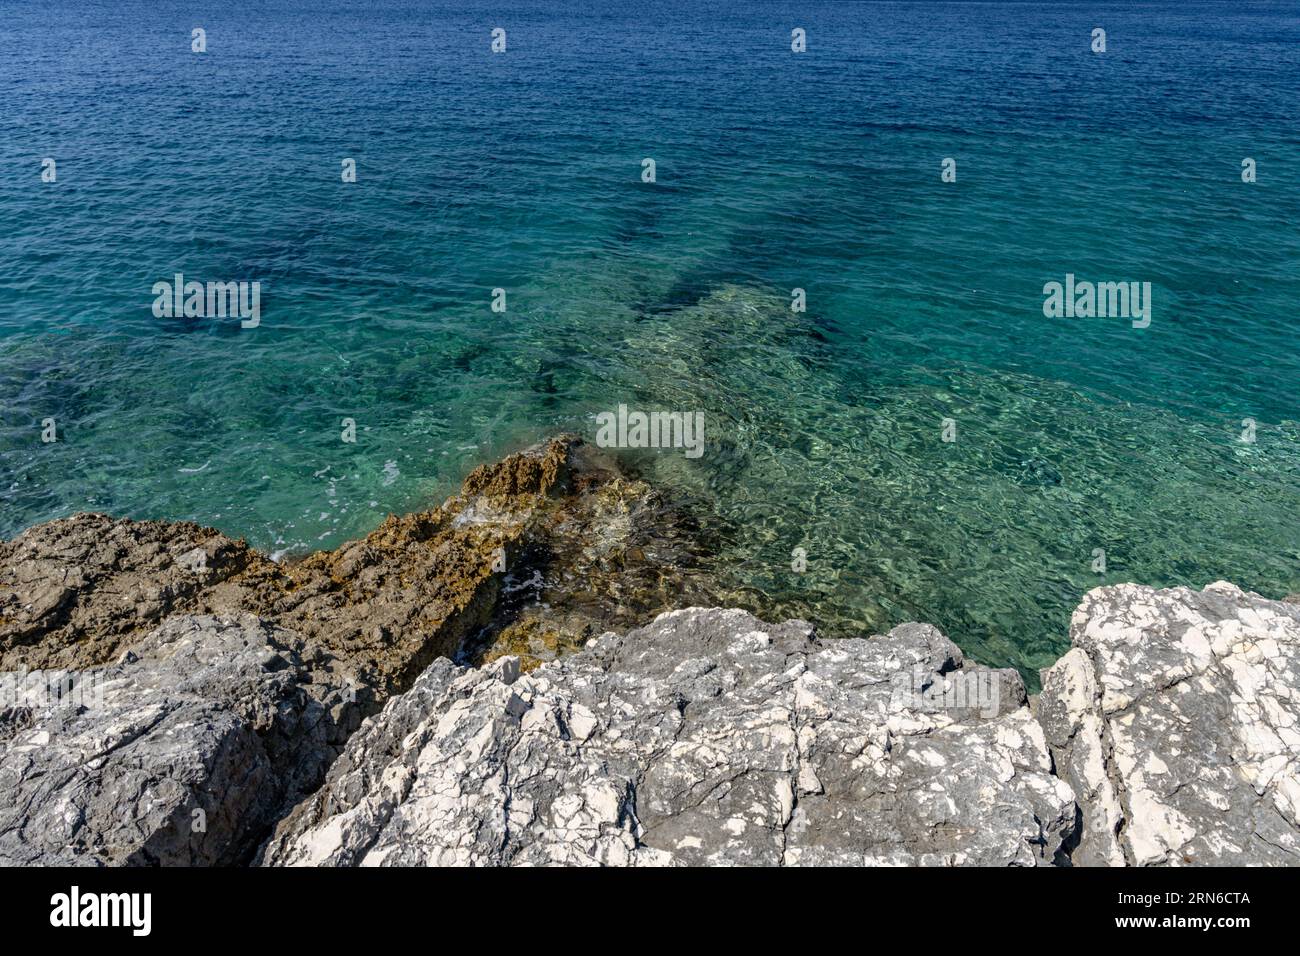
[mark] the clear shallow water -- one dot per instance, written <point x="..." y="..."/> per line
<point x="819" y="171"/>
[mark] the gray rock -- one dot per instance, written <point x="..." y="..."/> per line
<point x="1174" y="719"/>
<point x="185" y="751"/>
<point x="707" y="737"/>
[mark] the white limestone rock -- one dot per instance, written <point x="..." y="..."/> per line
<point x="707" y="737"/>
<point x="1174" y="719"/>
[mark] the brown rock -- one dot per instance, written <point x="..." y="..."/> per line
<point x="554" y="530"/>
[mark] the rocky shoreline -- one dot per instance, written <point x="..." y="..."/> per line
<point x="478" y="684"/>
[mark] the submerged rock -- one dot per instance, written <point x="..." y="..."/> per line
<point x="1175" y="719"/>
<point x="707" y="737"/>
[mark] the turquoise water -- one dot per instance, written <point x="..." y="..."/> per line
<point x="819" y="171"/>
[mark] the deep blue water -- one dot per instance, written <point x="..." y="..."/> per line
<point x="775" y="170"/>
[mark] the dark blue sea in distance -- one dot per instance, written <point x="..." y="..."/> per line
<point x="775" y="171"/>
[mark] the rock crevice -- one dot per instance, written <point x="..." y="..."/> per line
<point x="1174" y="719"/>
